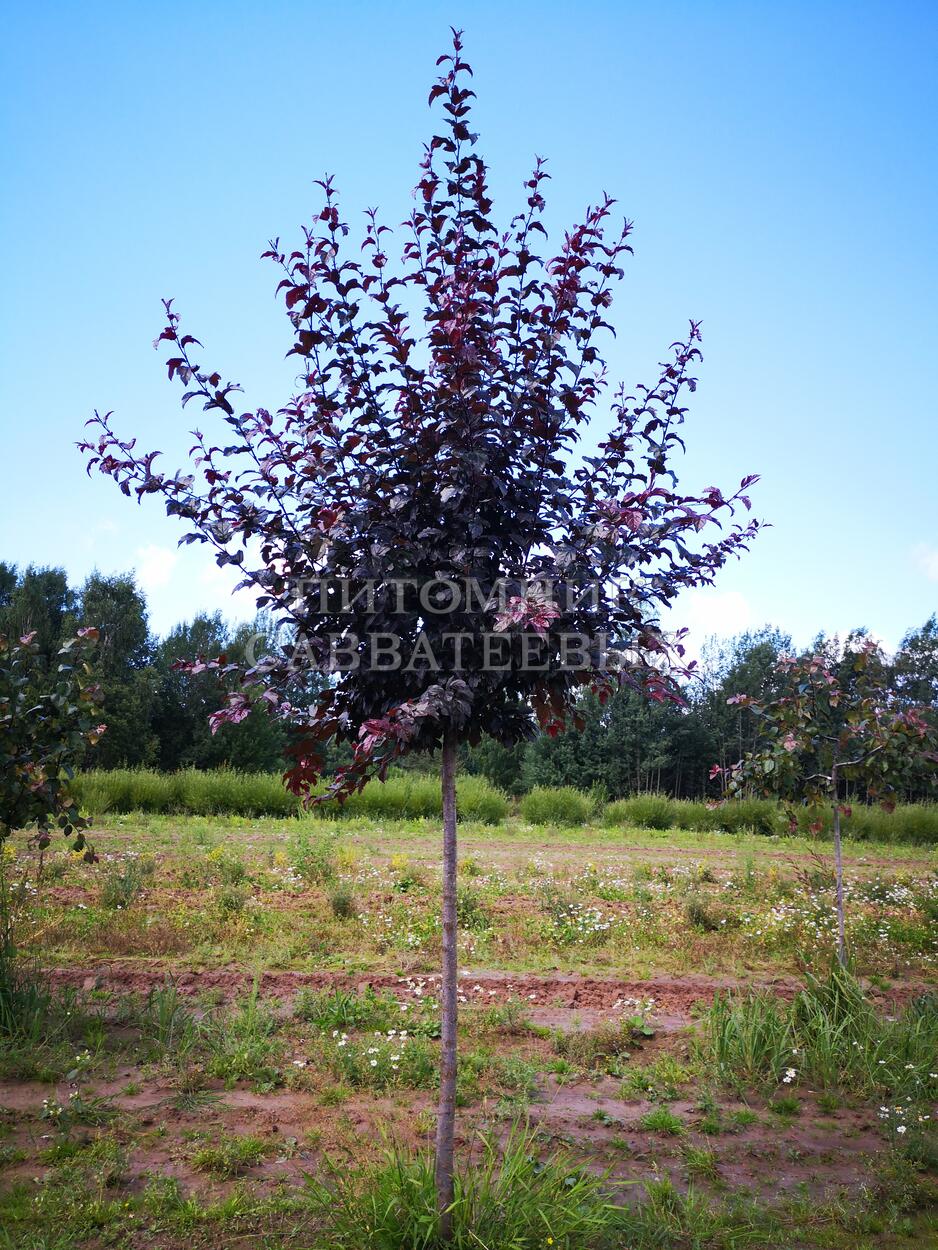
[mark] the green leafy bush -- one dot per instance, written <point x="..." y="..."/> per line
<point x="342" y="902"/>
<point x="48" y="720"/>
<point x="225" y="791"/>
<point x="471" y="911"/>
<point x="409" y="796"/>
<point x="192" y="792"/>
<point x="915" y="823"/>
<point x="477" y="800"/>
<point x="345" y="1009"/>
<point x="602" y="1046"/>
<point x="414" y="796"/>
<point x="749" y="816"/>
<point x="700" y="916"/>
<point x="645" y="811"/>
<point x="230" y="899"/>
<point x="690" y="814"/>
<point x="561" y="805"/>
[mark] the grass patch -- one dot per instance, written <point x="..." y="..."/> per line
<point x="830" y="1036"/>
<point x="241" y="1046"/>
<point x="345" y="1009"/>
<point x="505" y="1199"/>
<point x="662" y="1120"/>
<point x="228" y="1158"/>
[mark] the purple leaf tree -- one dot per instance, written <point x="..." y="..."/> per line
<point x="418" y="516"/>
<point x="832" y="726"/>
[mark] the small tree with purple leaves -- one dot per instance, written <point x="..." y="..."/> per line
<point x="834" y="729"/>
<point x="414" y="516"/>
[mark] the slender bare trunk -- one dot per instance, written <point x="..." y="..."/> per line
<point x="839" y="862"/>
<point x="446" y="1117"/>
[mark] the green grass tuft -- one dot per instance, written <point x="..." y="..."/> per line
<point x="505" y="1199"/>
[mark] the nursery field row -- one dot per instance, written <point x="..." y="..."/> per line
<point x="410" y="796"/>
<point x="329" y="895"/>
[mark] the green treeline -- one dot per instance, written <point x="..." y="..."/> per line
<point x="157" y="717"/>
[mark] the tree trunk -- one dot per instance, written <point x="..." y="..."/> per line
<point x="839" y="862"/>
<point x="446" y="1116"/>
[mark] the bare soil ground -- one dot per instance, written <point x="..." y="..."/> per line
<point x="275" y="937"/>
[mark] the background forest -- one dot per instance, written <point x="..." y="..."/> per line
<point x="158" y="717"/>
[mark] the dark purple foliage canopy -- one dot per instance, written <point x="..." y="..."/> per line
<point x="432" y="438"/>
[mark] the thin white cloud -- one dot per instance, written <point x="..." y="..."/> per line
<point x="154" y="567"/>
<point x="708" y="612"/>
<point x="98" y="534"/>
<point x="180" y="584"/>
<point x="927" y="560"/>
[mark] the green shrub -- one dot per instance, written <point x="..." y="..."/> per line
<point x="96" y="792"/>
<point x="345" y="1009"/>
<point x="749" y="816"/>
<point x="692" y="814"/>
<point x="228" y="792"/>
<point x="230" y="868"/>
<point x="193" y="792"/>
<point x="560" y="805"/>
<point x="230" y="899"/>
<point x="914" y="823"/>
<point x="208" y="793"/>
<point x="398" y="798"/>
<point x="478" y="800"/>
<point x="413" y="796"/>
<point x="644" y="811"/>
<point x="699" y="916"/>
<point x="598" y="1047"/>
<point x="470" y="910"/>
<point x="124" y="790"/>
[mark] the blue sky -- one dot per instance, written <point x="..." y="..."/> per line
<point x="779" y="163"/>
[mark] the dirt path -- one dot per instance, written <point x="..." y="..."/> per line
<point x="564" y="992"/>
